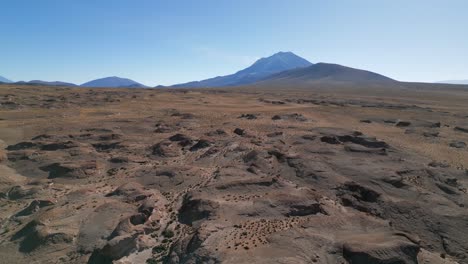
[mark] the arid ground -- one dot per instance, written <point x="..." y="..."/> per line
<point x="239" y="175"/>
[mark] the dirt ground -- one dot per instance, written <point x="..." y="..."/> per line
<point x="240" y="175"/>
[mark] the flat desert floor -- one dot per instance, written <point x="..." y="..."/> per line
<point x="241" y="175"/>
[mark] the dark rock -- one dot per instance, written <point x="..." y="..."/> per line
<point x="361" y="149"/>
<point x="183" y="140"/>
<point x="281" y="157"/>
<point x="107" y="146"/>
<point x="439" y="164"/>
<point x="275" y="134"/>
<point x="360" y="192"/>
<point x="446" y="189"/>
<point x="201" y="144"/>
<point x="330" y="140"/>
<point x="58" y="146"/>
<point x="239" y="131"/>
<point x="34" y="206"/>
<point x="304" y="210"/>
<point x="369" y="142"/>
<point x="457" y="144"/>
<point x="119" y="160"/>
<point x="165" y="149"/>
<point x="248" y="116"/>
<point x="359" y="197"/>
<point x="138" y="219"/>
<point x="251" y="156"/>
<point x="42" y="136"/>
<point x="435" y="125"/>
<point x="295" y="116"/>
<point x="461" y="129"/>
<point x="22" y="145"/>
<point x="403" y="124"/>
<point x="390" y="121"/>
<point x="110" y="137"/>
<point x="217" y="132"/>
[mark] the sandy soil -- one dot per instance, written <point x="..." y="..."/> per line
<point x="241" y="175"/>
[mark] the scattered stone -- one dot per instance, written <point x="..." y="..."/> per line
<point x="119" y="160"/>
<point x="217" y="132"/>
<point x="330" y="140"/>
<point x="201" y="144"/>
<point x="110" y="137"/>
<point x="431" y="134"/>
<point x="22" y="145"/>
<point x="107" y="146"/>
<point x="457" y="144"/>
<point x="461" y="129"/>
<point x="41" y="137"/>
<point x="403" y="124"/>
<point x="295" y="116"/>
<point x="248" y="116"/>
<point x="183" y="140"/>
<point x="239" y="131"/>
<point x="59" y="146"/>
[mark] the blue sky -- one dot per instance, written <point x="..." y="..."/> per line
<point x="167" y="42"/>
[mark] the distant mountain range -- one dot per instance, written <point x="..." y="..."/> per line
<point x="262" y="68"/>
<point x="39" y="82"/>
<point x="455" y="82"/>
<point x="4" y="80"/>
<point x="113" y="82"/>
<point x="326" y="72"/>
<point x="103" y="82"/>
<point x="280" y="68"/>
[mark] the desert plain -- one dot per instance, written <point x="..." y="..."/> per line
<point x="234" y="175"/>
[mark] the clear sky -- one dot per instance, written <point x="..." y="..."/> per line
<point x="166" y="42"/>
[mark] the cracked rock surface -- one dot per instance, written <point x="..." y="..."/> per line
<point x="230" y="176"/>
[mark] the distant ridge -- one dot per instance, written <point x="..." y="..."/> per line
<point x="326" y="72"/>
<point x="262" y="68"/>
<point x="39" y="82"/>
<point x="454" y="82"/>
<point x="113" y="82"/>
<point x="5" y="80"/>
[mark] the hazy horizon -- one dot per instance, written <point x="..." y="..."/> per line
<point x="159" y="42"/>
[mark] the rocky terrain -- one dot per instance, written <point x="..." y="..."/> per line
<point x="248" y="175"/>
